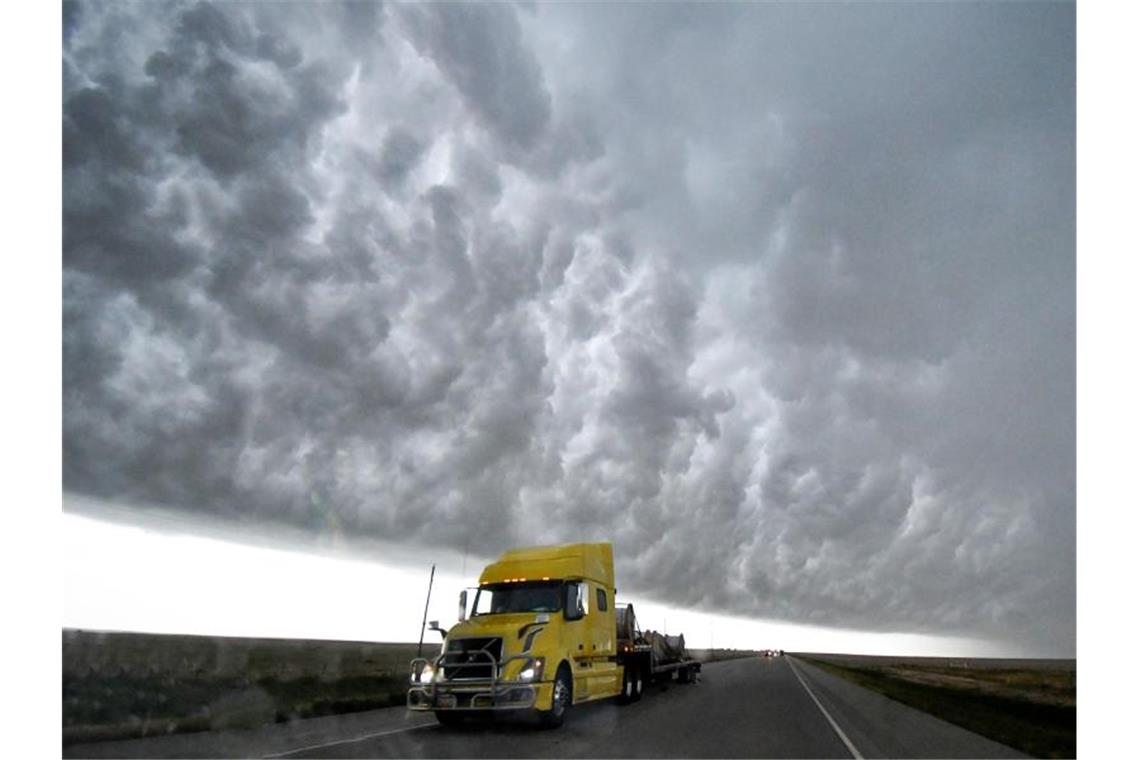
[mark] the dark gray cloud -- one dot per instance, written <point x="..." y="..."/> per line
<point x="777" y="298"/>
<point x="401" y="152"/>
<point x="480" y="50"/>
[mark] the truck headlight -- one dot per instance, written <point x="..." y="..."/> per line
<point x="427" y="674"/>
<point x="533" y="670"/>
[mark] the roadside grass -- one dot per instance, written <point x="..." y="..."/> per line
<point x="128" y="685"/>
<point x="1031" y="710"/>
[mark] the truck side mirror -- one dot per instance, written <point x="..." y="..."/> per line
<point x="462" y="605"/>
<point x="575" y="608"/>
<point x="434" y="626"/>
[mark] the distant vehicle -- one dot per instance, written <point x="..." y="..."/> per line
<point x="544" y="633"/>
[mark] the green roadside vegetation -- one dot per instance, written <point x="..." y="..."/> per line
<point x="131" y="685"/>
<point x="122" y="707"/>
<point x="1033" y="710"/>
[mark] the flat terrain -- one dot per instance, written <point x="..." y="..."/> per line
<point x="141" y="684"/>
<point x="968" y="663"/>
<point x="754" y="707"/>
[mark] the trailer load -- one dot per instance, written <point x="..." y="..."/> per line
<point x="543" y="633"/>
<point x="666" y="648"/>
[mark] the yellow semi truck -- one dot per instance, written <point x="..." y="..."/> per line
<point x="543" y="633"/>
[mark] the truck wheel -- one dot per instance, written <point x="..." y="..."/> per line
<point x="628" y="684"/>
<point x="638" y="683"/>
<point x="560" y="703"/>
<point x="684" y="676"/>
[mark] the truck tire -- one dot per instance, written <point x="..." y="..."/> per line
<point x="628" y="686"/>
<point x="638" y="683"/>
<point x="560" y="702"/>
<point x="684" y="675"/>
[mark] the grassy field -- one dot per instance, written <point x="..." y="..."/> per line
<point x="118" y="685"/>
<point x="121" y="685"/>
<point x="1030" y="705"/>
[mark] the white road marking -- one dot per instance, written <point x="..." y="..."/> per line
<point x="289" y="752"/>
<point x="850" y="747"/>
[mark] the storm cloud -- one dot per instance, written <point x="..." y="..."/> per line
<point x="779" y="299"/>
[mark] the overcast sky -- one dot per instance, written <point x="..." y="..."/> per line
<point x="777" y="298"/>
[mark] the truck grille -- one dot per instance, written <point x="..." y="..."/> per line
<point x="467" y="659"/>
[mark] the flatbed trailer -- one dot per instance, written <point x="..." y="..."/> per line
<point x="639" y="657"/>
<point x="642" y="657"/>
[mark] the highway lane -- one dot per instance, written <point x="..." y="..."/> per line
<point x="741" y="708"/>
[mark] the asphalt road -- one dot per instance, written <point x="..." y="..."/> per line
<point x="774" y="707"/>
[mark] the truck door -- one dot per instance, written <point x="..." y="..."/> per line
<point x="579" y="636"/>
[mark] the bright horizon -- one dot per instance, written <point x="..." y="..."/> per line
<point x="261" y="592"/>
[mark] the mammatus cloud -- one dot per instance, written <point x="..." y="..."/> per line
<point x="777" y="298"/>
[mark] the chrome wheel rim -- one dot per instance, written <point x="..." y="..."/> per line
<point x="560" y="696"/>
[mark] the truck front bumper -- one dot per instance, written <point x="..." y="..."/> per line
<point x="502" y="695"/>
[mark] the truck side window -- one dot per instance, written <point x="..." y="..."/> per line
<point x="602" y="606"/>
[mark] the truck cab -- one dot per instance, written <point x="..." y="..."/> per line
<point x="540" y="635"/>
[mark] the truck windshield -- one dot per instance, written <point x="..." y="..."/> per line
<point x="518" y="597"/>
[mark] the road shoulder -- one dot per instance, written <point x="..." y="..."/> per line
<point x="880" y="727"/>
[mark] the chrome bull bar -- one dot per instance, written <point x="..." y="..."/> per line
<point x="494" y="693"/>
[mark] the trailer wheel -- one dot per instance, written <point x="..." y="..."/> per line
<point x="561" y="700"/>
